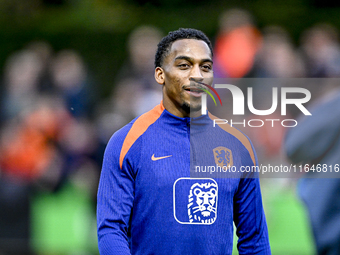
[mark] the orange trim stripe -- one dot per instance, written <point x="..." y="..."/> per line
<point x="138" y="128"/>
<point x="238" y="134"/>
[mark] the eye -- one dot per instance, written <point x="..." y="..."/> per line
<point x="183" y="66"/>
<point x="206" y="68"/>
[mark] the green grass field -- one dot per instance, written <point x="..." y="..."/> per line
<point x="288" y="226"/>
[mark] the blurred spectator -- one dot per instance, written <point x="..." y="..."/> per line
<point x="28" y="155"/>
<point x="236" y="45"/>
<point x="71" y="79"/>
<point x="44" y="52"/>
<point x="136" y="79"/>
<point x="47" y="147"/>
<point x="278" y="57"/>
<point x="18" y="143"/>
<point x="143" y="99"/>
<point x="316" y="140"/>
<point x="320" y="46"/>
<point x="27" y="146"/>
<point x="62" y="219"/>
<point x="21" y="76"/>
<point x="79" y="144"/>
<point x="136" y="90"/>
<point x="142" y="45"/>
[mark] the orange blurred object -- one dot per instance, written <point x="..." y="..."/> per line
<point x="28" y="147"/>
<point x="28" y="155"/>
<point x="235" y="50"/>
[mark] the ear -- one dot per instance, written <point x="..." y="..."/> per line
<point x="159" y="75"/>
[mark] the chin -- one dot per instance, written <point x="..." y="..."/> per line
<point x="191" y="107"/>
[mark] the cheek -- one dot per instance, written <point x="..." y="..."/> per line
<point x="174" y="79"/>
<point x="173" y="84"/>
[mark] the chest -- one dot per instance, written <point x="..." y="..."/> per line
<point x="164" y="178"/>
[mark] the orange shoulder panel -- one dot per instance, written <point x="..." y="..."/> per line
<point x="138" y="128"/>
<point x="239" y="135"/>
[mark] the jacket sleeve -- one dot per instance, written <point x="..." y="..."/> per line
<point x="315" y="134"/>
<point x="249" y="217"/>
<point x="114" y="201"/>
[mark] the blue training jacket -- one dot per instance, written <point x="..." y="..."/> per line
<point x="157" y="196"/>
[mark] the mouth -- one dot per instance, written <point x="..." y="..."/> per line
<point x="194" y="90"/>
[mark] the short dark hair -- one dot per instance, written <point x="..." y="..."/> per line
<point x="163" y="47"/>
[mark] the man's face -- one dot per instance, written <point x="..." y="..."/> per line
<point x="189" y="60"/>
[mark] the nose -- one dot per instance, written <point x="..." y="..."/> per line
<point x="206" y="200"/>
<point x="196" y="73"/>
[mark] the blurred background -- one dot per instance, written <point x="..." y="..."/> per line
<point x="72" y="72"/>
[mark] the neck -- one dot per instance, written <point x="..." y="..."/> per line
<point x="179" y="110"/>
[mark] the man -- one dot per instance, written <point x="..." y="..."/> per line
<point x="147" y="201"/>
<point x="316" y="141"/>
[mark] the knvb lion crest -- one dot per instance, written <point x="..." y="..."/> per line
<point x="195" y="201"/>
<point x="202" y="207"/>
<point x="223" y="157"/>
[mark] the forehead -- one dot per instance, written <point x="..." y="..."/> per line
<point x="196" y="49"/>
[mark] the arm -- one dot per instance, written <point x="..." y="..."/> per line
<point x="249" y="217"/>
<point x="114" y="201"/>
<point x="315" y="134"/>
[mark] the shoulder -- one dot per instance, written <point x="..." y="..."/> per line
<point x="238" y="135"/>
<point x="122" y="141"/>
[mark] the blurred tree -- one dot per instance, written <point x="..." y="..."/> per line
<point x="169" y="3"/>
<point x="54" y="2"/>
<point x="325" y="3"/>
<point x="18" y="7"/>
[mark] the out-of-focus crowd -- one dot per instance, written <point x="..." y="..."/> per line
<point x="54" y="127"/>
<point x="48" y="146"/>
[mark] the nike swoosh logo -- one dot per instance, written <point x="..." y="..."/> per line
<point x="153" y="158"/>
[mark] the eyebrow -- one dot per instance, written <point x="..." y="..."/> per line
<point x="190" y="59"/>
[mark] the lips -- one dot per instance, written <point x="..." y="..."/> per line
<point x="193" y="90"/>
